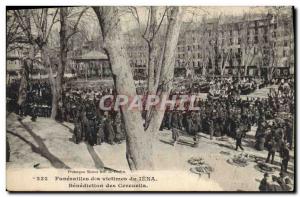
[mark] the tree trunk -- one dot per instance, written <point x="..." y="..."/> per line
<point x="57" y="82"/>
<point x="52" y="81"/>
<point x="152" y="56"/>
<point x="25" y="78"/>
<point x="168" y="63"/>
<point x="23" y="84"/>
<point x="138" y="142"/>
<point x="152" y="49"/>
<point x="47" y="64"/>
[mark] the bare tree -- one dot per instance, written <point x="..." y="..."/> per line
<point x="35" y="25"/>
<point x="67" y="30"/>
<point x="249" y="44"/>
<point x="150" y="34"/>
<point x="275" y="21"/>
<point x="14" y="34"/>
<point x="139" y="152"/>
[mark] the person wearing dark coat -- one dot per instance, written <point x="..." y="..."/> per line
<point x="272" y="147"/>
<point x="194" y="131"/>
<point x="199" y="121"/>
<point x="211" y="127"/>
<point x="238" y="138"/>
<point x="118" y="132"/>
<point x="92" y="137"/>
<point x="77" y="131"/>
<point x="175" y="127"/>
<point x="34" y="113"/>
<point x="109" y="131"/>
<point x="84" y="125"/>
<point x="100" y="134"/>
<point x="189" y="125"/>
<point x="169" y="120"/>
<point x="285" y="153"/>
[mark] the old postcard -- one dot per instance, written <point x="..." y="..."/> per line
<point x="152" y="98"/>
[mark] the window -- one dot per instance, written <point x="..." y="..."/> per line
<point x="255" y="39"/>
<point x="286" y="32"/>
<point x="284" y="53"/>
<point x="285" y="43"/>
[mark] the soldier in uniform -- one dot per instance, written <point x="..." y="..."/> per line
<point x="108" y="130"/>
<point x="198" y="121"/>
<point x="194" y="130"/>
<point x="77" y="130"/>
<point x="239" y="136"/>
<point x="84" y="124"/>
<point x="175" y="127"/>
<point x="117" y="126"/>
<point x="92" y="128"/>
<point x="100" y="133"/>
<point x="272" y="147"/>
<point x="212" y="125"/>
<point x="34" y="113"/>
<point x="189" y="124"/>
<point x="285" y="154"/>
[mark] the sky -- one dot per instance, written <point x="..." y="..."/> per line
<point x="197" y="13"/>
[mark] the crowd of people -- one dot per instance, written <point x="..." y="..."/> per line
<point x="275" y="183"/>
<point x="225" y="115"/>
<point x="91" y="124"/>
<point x="38" y="99"/>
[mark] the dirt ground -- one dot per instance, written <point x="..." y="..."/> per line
<point x="55" y="140"/>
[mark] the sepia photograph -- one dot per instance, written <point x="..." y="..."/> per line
<point x="150" y="98"/>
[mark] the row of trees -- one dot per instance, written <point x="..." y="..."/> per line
<point x="34" y="27"/>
